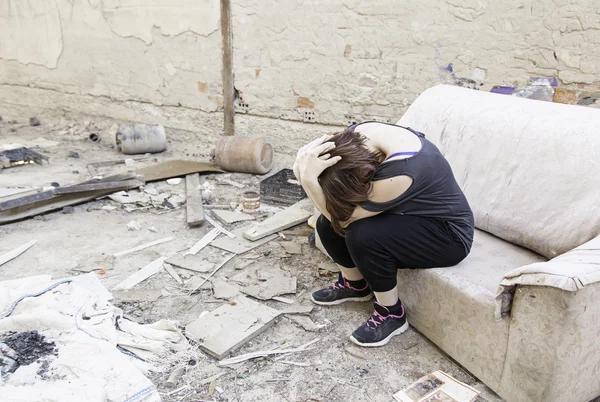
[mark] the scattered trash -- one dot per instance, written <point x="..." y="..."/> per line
<point x="141" y="138"/>
<point x="282" y="188"/>
<point x="73" y="154"/>
<point x="225" y="261"/>
<point x="153" y="229"/>
<point x="130" y="162"/>
<point x="68" y="210"/>
<point x="244" y="154"/>
<point x="250" y="202"/>
<point x="175" y="376"/>
<point x="207" y="189"/>
<point x="437" y="386"/>
<point x="230" y="182"/>
<point x="20" y="156"/>
<point x="307" y="323"/>
<point x="94" y="137"/>
<point x="240" y="245"/>
<point x="254" y="355"/>
<point x="29" y="347"/>
<point x="134" y="225"/>
<point x="34" y="121"/>
<point x="229" y="327"/>
<point x="173" y="274"/>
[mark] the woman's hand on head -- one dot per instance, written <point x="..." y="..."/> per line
<point x="312" y="159"/>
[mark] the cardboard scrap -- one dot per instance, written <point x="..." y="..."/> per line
<point x="230" y="326"/>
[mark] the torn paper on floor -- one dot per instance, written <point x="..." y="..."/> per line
<point x="98" y="356"/>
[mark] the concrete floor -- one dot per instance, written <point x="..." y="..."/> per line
<point x="337" y="371"/>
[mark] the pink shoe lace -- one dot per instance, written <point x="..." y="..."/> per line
<point x="339" y="285"/>
<point x="376" y="319"/>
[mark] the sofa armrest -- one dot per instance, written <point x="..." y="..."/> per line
<point x="570" y="272"/>
<point x="553" y="350"/>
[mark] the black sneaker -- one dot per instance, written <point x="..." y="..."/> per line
<point x="380" y="328"/>
<point x="340" y="292"/>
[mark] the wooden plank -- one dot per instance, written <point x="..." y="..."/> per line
<point x="230" y="326"/>
<point x="143" y="246"/>
<point x="287" y="218"/>
<point x="229" y="217"/>
<point x="11" y="255"/>
<point x="227" y="68"/>
<point x="195" y="210"/>
<point x="79" y="188"/>
<point x="141" y="275"/>
<point x="239" y="245"/>
<point x="175" y="168"/>
<point x="54" y="203"/>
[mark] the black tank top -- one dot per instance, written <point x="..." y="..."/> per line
<point x="434" y="192"/>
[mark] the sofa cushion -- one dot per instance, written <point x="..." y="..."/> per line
<point x="454" y="307"/>
<point x="529" y="168"/>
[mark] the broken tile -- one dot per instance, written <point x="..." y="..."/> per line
<point x="306" y="323"/>
<point x="228" y="217"/>
<point x="277" y="283"/>
<point x="329" y="266"/>
<point x="224" y="290"/>
<point x="191" y="262"/>
<point x="230" y="326"/>
<point x="239" y="244"/>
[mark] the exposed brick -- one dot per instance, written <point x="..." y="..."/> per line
<point x="562" y="95"/>
<point x="305" y="103"/>
<point x="203" y="87"/>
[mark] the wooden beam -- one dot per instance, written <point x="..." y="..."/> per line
<point x="227" y="70"/>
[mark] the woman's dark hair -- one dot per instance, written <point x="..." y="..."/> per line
<point x="348" y="183"/>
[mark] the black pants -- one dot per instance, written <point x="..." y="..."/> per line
<point x="379" y="245"/>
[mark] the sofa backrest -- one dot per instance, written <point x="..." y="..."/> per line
<point x="530" y="169"/>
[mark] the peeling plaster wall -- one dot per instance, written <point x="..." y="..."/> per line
<point x="320" y="64"/>
<point x="339" y="61"/>
<point x="144" y="56"/>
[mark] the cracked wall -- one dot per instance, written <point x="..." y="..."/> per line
<point x="325" y="63"/>
<point x="340" y="61"/>
<point x="145" y="56"/>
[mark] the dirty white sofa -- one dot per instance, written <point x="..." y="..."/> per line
<point x="522" y="312"/>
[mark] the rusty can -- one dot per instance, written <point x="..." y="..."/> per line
<point x="250" y="202"/>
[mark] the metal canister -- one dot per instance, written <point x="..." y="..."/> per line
<point x="250" y="202"/>
<point x="244" y="154"/>
<point x="141" y="138"/>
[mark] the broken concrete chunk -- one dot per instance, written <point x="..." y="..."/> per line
<point x="175" y="181"/>
<point x="329" y="266"/>
<point x="34" y="121"/>
<point x="134" y="225"/>
<point x="291" y="247"/>
<point x="275" y="282"/>
<point x="239" y="245"/>
<point x="191" y="262"/>
<point x="224" y="290"/>
<point x="229" y="217"/>
<point x="291" y="216"/>
<point x="306" y="323"/>
<point x="230" y="326"/>
<point x="241" y="264"/>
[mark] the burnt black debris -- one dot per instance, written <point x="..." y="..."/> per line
<point x="30" y="346"/>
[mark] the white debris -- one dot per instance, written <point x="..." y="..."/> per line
<point x="134" y="225"/>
